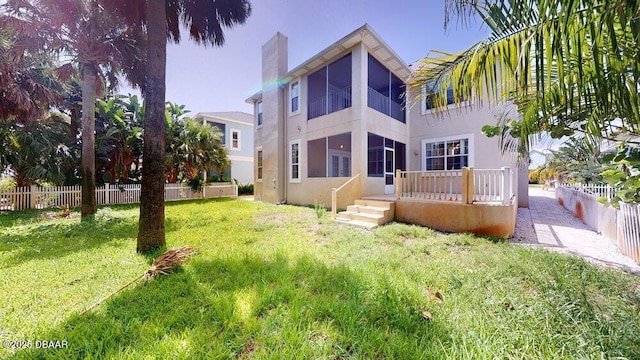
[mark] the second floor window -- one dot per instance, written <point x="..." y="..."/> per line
<point x="235" y="139"/>
<point x="295" y="97"/>
<point x="259" y="112"/>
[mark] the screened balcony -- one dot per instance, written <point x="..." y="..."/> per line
<point x="329" y="88"/>
<point x="385" y="91"/>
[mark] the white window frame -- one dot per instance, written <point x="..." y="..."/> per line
<point x="259" y="121"/>
<point x="231" y="131"/>
<point x="423" y="102"/>
<point x="470" y="145"/>
<point x="259" y="166"/>
<point x="291" y="178"/>
<point x="296" y="81"/>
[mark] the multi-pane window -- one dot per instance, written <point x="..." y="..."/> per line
<point x="259" y="164"/>
<point x="235" y="139"/>
<point x="295" y="97"/>
<point x="429" y="97"/>
<point x="259" y="113"/>
<point x="446" y="155"/>
<point x="294" y="157"/>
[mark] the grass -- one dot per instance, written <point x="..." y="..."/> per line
<point x="275" y="282"/>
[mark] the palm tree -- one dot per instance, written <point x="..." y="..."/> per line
<point x="83" y="32"/>
<point x="570" y="66"/>
<point x="28" y="86"/>
<point x="41" y="152"/>
<point x="205" y="20"/>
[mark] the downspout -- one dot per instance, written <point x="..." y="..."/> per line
<point x="285" y="142"/>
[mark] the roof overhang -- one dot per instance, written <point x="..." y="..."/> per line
<point x="365" y="35"/>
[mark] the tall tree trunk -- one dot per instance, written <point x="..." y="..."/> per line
<point x="151" y="225"/>
<point x="89" y="206"/>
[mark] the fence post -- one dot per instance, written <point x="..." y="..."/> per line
<point x="33" y="193"/>
<point x="107" y="187"/>
<point x="468" y="185"/>
<point x="506" y="185"/>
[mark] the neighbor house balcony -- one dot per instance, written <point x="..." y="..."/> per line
<point x="336" y="100"/>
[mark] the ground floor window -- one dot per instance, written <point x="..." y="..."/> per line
<point x="447" y="153"/>
<point x="259" y="161"/>
<point x="294" y="161"/>
<point x="329" y="156"/>
<point x="384" y="155"/>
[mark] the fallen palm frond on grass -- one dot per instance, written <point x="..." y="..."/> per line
<point x="163" y="264"/>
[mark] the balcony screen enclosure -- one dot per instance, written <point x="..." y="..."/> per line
<point x="386" y="91"/>
<point x="329" y="156"/>
<point x="329" y="88"/>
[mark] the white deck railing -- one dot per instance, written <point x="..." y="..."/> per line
<point x="465" y="185"/>
<point x="35" y="197"/>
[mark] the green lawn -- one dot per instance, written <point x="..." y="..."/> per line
<point x="276" y="282"/>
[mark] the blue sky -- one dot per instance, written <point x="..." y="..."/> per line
<point x="220" y="79"/>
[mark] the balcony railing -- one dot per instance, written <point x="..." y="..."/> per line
<point x="385" y="105"/>
<point x="338" y="100"/>
<point x="466" y="185"/>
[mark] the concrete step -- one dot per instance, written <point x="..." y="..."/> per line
<point x="376" y="203"/>
<point x="360" y="216"/>
<point x="362" y="224"/>
<point x="367" y="209"/>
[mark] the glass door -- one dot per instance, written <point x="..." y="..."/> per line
<point x="389" y="168"/>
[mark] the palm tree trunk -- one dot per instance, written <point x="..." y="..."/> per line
<point x="89" y="206"/>
<point x="151" y="225"/>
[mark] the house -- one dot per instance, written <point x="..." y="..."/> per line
<point x="237" y="135"/>
<point x="345" y="120"/>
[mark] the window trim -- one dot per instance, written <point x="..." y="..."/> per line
<point x="231" y="131"/>
<point x="259" y="164"/>
<point x="290" y="162"/>
<point x="470" y="145"/>
<point x="296" y="81"/>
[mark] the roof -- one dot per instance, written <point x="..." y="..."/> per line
<point x="230" y="116"/>
<point x="364" y="34"/>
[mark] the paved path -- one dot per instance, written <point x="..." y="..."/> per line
<point x="546" y="223"/>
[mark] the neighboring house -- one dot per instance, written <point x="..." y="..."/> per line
<point x="345" y="114"/>
<point x="237" y="135"/>
<point x="539" y="157"/>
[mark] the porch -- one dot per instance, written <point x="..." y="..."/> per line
<point x="479" y="201"/>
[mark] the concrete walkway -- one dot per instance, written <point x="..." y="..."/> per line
<point x="546" y="223"/>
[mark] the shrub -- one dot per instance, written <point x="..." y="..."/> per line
<point x="320" y="210"/>
<point x="7" y="183"/>
<point x="245" y="189"/>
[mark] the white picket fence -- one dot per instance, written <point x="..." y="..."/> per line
<point x="35" y="197"/>
<point x="621" y="226"/>
<point x="596" y="190"/>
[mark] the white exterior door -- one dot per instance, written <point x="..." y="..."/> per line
<point x="389" y="169"/>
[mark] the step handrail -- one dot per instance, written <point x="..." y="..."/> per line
<point x="334" y="196"/>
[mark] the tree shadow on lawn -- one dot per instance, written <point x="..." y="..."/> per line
<point x="231" y="307"/>
<point x="59" y="238"/>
